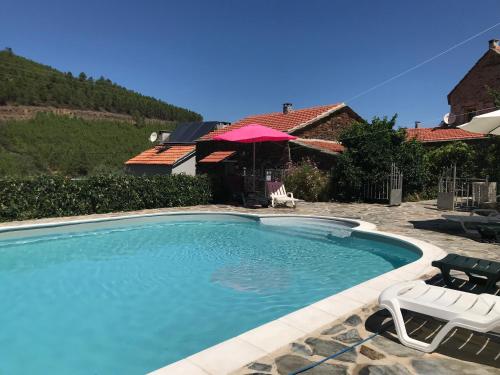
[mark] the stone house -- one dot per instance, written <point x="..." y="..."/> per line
<point x="438" y="136"/>
<point x="470" y="97"/>
<point x="317" y="130"/>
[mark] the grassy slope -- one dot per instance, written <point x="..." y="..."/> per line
<point x="51" y="144"/>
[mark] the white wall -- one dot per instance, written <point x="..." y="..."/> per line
<point x="188" y="167"/>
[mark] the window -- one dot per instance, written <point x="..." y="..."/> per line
<point x="470" y="113"/>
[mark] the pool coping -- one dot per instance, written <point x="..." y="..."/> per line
<point x="234" y="353"/>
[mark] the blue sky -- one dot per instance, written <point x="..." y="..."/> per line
<point x="229" y="59"/>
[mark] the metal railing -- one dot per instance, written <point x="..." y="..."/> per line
<point x="461" y="193"/>
<point x="388" y="188"/>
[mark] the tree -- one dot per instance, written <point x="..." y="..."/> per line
<point x="371" y="150"/>
<point x="487" y="159"/>
<point x="410" y="159"/>
<point x="23" y="81"/>
<point x="495" y="94"/>
<point x="456" y="153"/>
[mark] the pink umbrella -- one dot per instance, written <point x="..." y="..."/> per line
<point x="254" y="133"/>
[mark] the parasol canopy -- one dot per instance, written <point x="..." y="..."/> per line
<point x="489" y="123"/>
<point x="254" y="133"/>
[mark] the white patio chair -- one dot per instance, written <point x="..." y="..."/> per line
<point x="278" y="194"/>
<point x="479" y="313"/>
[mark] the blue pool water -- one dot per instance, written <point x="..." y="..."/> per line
<point x="129" y="298"/>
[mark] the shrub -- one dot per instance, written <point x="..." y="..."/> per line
<point x="410" y="159"/>
<point x="50" y="196"/>
<point x="371" y="149"/>
<point x="459" y="153"/>
<point x="347" y="178"/>
<point x="307" y="182"/>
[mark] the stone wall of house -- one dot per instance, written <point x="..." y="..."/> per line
<point x="471" y="94"/>
<point x="324" y="161"/>
<point x="331" y="126"/>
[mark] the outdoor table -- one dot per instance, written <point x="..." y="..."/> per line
<point x="484" y="273"/>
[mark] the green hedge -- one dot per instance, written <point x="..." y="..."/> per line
<point x="51" y="196"/>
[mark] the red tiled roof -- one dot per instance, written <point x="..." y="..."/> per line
<point x="160" y="155"/>
<point x="321" y="145"/>
<point x="280" y="121"/>
<point x="217" y="156"/>
<point x="441" y="134"/>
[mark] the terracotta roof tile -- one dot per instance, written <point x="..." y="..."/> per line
<point x="441" y="134"/>
<point x="322" y="145"/>
<point x="160" y="155"/>
<point x="217" y="156"/>
<point x="280" y="121"/>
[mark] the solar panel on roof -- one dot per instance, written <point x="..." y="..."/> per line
<point x="189" y="132"/>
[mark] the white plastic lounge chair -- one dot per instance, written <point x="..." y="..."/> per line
<point x="277" y="192"/>
<point x="479" y="313"/>
<point x="493" y="217"/>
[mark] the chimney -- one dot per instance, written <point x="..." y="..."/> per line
<point x="287" y="108"/>
<point x="493" y="44"/>
<point x="417" y="124"/>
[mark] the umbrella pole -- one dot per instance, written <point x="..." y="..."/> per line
<point x="254" y="167"/>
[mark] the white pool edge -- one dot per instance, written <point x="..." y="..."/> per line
<point x="233" y="354"/>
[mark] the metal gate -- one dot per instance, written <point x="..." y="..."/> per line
<point x="463" y="193"/>
<point x="388" y="189"/>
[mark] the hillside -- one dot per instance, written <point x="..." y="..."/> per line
<point x="52" y="144"/>
<point x="28" y="83"/>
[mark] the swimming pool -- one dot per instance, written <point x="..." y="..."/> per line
<point x="130" y="296"/>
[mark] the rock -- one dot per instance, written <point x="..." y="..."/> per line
<point x="326" y="348"/>
<point x="393" y="348"/>
<point x="260" y="367"/>
<point x="301" y="349"/>
<point x="333" y="330"/>
<point x="371" y="353"/>
<point x="396" y="369"/>
<point x="450" y="367"/>
<point x="289" y="363"/>
<point x="353" y="320"/>
<point x="349" y="337"/>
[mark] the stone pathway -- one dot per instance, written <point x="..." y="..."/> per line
<point x="382" y="355"/>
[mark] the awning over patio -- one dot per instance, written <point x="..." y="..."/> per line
<point x="217" y="156"/>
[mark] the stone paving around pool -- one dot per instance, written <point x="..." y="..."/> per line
<point x="382" y="355"/>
